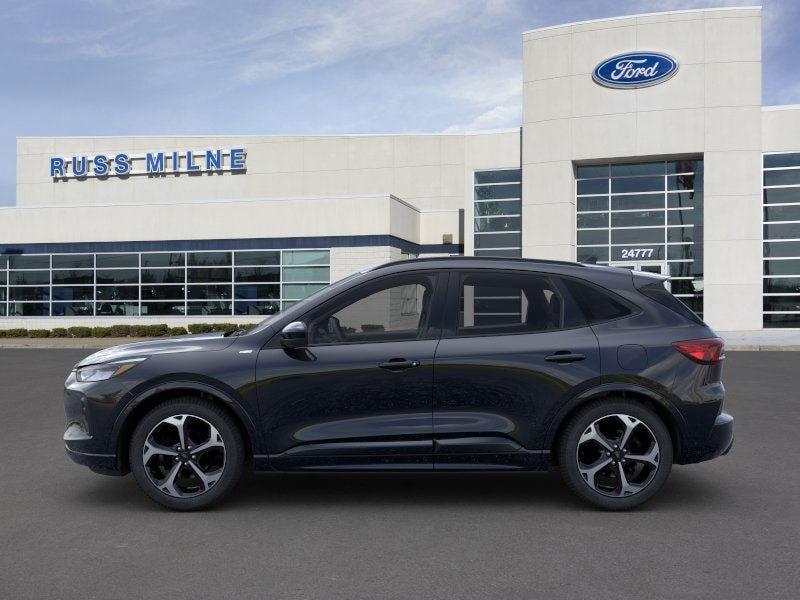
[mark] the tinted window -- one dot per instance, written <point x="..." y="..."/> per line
<point x="394" y="310"/>
<point x="508" y="303"/>
<point x="658" y="292"/>
<point x="596" y="304"/>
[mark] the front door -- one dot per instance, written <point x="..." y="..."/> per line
<point x="512" y="350"/>
<point x="360" y="395"/>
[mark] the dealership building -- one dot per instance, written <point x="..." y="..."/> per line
<point x="643" y="144"/>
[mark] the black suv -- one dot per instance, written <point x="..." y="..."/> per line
<point x="430" y="364"/>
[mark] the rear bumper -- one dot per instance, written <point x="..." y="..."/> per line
<point x="719" y="442"/>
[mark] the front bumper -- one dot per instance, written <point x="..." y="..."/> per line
<point x="718" y="443"/>
<point x="77" y="443"/>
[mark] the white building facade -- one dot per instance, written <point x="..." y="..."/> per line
<point x="675" y="168"/>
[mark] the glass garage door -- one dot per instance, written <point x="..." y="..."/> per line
<point x="645" y="213"/>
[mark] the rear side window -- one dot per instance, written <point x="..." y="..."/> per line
<point x="497" y="303"/>
<point x="596" y="304"/>
<point x="657" y="291"/>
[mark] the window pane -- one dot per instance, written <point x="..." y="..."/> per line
<point x="684" y="166"/>
<point x="782" y="303"/>
<point x="788" y="177"/>
<point x="117" y="261"/>
<point x="209" y="259"/>
<point x="592" y="237"/>
<point x="648" y="168"/>
<point x="256" y="292"/>
<point x="267" y="257"/>
<point x="117" y="292"/>
<point x="2" y="277"/>
<point x="256" y="308"/>
<point x="209" y="308"/>
<point x="592" y="186"/>
<point x="497" y="240"/>
<point x="162" y="308"/>
<point x="637" y="201"/>
<point x="681" y="182"/>
<point x="782" y="231"/>
<point x="495" y="224"/>
<point x="778" y="249"/>
<point x="29" y="293"/>
<point x="637" y="236"/>
<point x="684" y="199"/>
<point x="511" y="207"/>
<point x="29" y="277"/>
<point x="73" y="292"/>
<point x="73" y="277"/>
<point x="118" y="276"/>
<point x="306" y="257"/>
<point x="498" y="176"/>
<point x="680" y="252"/>
<point x="682" y="217"/>
<point x="28" y="309"/>
<point x="782" y="267"/>
<point x="297" y="291"/>
<point x="782" y="195"/>
<point x="163" y="259"/>
<point x="29" y="261"/>
<point x="637" y="184"/>
<point x="680" y="234"/>
<point x="593" y="254"/>
<point x="637" y="219"/>
<point x="117" y="309"/>
<point x="775" y="321"/>
<point x="73" y="309"/>
<point x="783" y="285"/>
<point x="586" y="171"/>
<point x="257" y="273"/>
<point x="306" y="274"/>
<point x="209" y="292"/>
<point x="505" y="303"/>
<point x="209" y="275"/>
<point x="386" y="314"/>
<point x="782" y="160"/>
<point x="593" y="220"/>
<point x="593" y="203"/>
<point x="494" y="192"/>
<point x="163" y="276"/>
<point x="507" y="253"/>
<point x="73" y="261"/>
<point x="782" y="213"/>
<point x="162" y="292"/>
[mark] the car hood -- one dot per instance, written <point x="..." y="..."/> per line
<point x="184" y="343"/>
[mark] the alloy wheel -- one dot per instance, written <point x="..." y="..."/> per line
<point x="617" y="455"/>
<point x="184" y="456"/>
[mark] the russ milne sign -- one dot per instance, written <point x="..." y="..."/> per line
<point x="635" y="70"/>
<point x="150" y="163"/>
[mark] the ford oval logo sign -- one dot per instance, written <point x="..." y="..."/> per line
<point x="635" y="70"/>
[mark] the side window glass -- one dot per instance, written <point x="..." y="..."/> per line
<point x="398" y="310"/>
<point x="500" y="303"/>
<point x="596" y="305"/>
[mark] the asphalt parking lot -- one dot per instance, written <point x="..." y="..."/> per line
<point x="724" y="529"/>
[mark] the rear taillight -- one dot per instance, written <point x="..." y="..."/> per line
<point x="702" y="351"/>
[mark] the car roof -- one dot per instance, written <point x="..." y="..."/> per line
<point x="495" y="262"/>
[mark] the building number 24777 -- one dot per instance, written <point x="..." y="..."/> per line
<point x="637" y="253"/>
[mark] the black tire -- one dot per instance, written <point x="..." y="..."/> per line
<point x="234" y="452"/>
<point x="580" y="423"/>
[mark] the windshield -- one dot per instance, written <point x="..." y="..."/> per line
<point x="302" y="304"/>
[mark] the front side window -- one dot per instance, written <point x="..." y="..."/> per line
<point x="508" y="303"/>
<point x="396" y="309"/>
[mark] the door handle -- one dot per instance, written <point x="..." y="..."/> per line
<point x="564" y="356"/>
<point x="398" y="364"/>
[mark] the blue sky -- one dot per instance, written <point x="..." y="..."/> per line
<point x="106" y="67"/>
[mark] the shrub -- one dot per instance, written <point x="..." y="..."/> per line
<point x="138" y="331"/>
<point x="16" y="332"/>
<point x="80" y="332"/>
<point x="157" y="330"/>
<point x="200" y="328"/>
<point x="59" y="332"/>
<point x="371" y="327"/>
<point x="101" y="332"/>
<point x="177" y="331"/>
<point x="120" y="330"/>
<point x="38" y="333"/>
<point x="224" y="327"/>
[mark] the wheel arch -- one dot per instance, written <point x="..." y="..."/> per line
<point x="671" y="418"/>
<point x="148" y="399"/>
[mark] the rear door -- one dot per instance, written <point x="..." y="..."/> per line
<point x="513" y="349"/>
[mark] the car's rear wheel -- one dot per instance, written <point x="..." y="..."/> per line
<point x="615" y="453"/>
<point x="187" y="453"/>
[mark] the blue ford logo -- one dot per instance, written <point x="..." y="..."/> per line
<point x="635" y="70"/>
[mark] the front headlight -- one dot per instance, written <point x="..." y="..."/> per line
<point x="105" y="371"/>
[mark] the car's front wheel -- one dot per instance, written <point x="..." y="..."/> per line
<point x="615" y="453"/>
<point x="187" y="453"/>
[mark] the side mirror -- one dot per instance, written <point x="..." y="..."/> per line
<point x="294" y="335"/>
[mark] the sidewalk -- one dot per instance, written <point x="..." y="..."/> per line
<point x="767" y="339"/>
